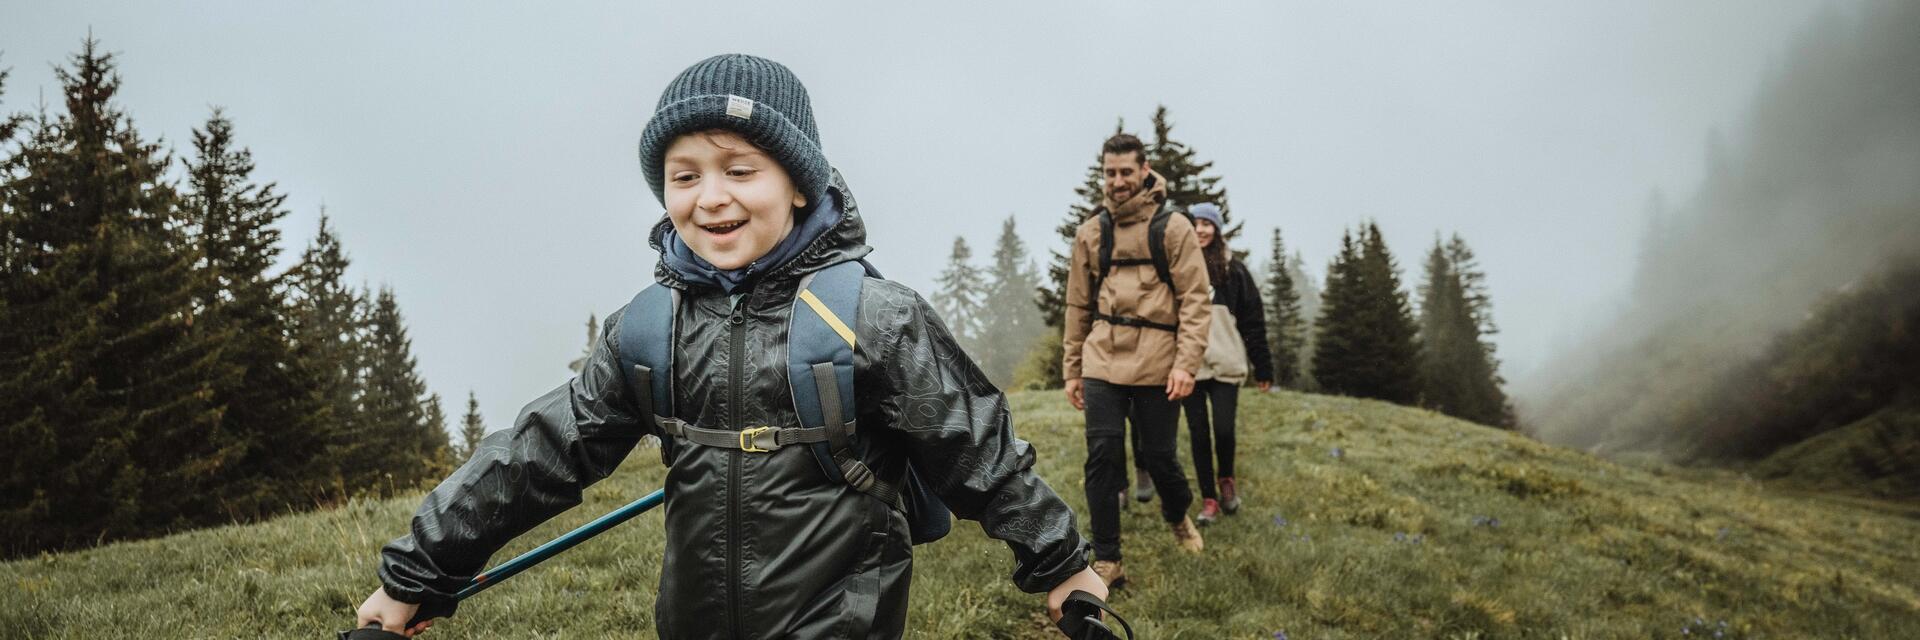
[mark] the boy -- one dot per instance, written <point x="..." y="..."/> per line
<point x="758" y="543"/>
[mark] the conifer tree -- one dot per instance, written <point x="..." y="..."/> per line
<point x="104" y="395"/>
<point x="1458" y="371"/>
<point x="960" y="296"/>
<point x="593" y="338"/>
<point x="1009" y="328"/>
<point x="472" y="430"/>
<point x="1366" y="332"/>
<point x="399" y="442"/>
<point x="1188" y="181"/>
<point x="1308" y="293"/>
<point x="260" y="388"/>
<point x="326" y="342"/>
<point x="1284" y="322"/>
<point x="1052" y="299"/>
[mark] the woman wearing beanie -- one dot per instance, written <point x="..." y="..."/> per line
<point x="761" y="541"/>
<point x="1237" y="342"/>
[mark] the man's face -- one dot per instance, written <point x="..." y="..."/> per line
<point x="729" y="201"/>
<point x="1124" y="172"/>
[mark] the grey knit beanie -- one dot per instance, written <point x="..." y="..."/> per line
<point x="755" y="97"/>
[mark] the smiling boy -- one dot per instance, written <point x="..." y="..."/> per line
<point x="759" y="542"/>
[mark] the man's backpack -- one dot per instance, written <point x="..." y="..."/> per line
<point x="820" y="342"/>
<point x="1156" y="248"/>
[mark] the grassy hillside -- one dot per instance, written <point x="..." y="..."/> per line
<point x="1363" y="520"/>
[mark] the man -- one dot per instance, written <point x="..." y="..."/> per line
<point x="1133" y="342"/>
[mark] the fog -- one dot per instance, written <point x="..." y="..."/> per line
<point x="1816" y="188"/>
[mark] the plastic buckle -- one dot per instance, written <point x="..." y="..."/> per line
<point x="750" y="440"/>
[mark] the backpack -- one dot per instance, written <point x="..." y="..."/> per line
<point x="819" y="372"/>
<point x="1156" y="248"/>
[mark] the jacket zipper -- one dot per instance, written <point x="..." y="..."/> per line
<point x="739" y="350"/>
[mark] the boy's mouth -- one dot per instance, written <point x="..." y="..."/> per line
<point x="723" y="228"/>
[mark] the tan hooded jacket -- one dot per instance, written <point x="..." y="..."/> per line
<point x="1136" y="355"/>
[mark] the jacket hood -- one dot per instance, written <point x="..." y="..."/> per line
<point x="845" y="241"/>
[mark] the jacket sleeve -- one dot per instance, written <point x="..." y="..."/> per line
<point x="1190" y="284"/>
<point x="1251" y="319"/>
<point x="562" y="442"/>
<point x="1076" y="318"/>
<point x="958" y="433"/>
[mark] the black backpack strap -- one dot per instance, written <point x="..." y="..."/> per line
<point x="645" y="351"/>
<point x="1157" y="247"/>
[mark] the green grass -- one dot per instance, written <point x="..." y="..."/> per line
<point x="1583" y="549"/>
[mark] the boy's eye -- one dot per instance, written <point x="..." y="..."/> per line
<point x="741" y="172"/>
<point x="685" y="176"/>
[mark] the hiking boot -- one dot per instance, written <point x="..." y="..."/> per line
<point x="1209" y="511"/>
<point x="1188" y="536"/>
<point x="1143" y="488"/>
<point x="1111" y="573"/>
<point x="1229" y="496"/>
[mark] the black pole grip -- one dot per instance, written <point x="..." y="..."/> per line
<point x="1080" y="618"/>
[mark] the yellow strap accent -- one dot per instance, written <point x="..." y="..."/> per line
<point x="827" y="315"/>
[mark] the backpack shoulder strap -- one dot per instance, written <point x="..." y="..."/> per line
<point x="645" y="351"/>
<point x="1157" y="247"/>
<point x="820" y="344"/>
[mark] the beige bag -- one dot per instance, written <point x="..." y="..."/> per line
<point x="1226" y="356"/>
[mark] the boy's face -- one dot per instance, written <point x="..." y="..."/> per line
<point x="730" y="201"/>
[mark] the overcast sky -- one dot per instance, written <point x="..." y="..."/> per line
<point x="481" y="161"/>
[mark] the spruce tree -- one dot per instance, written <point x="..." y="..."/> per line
<point x="401" y="445"/>
<point x="593" y="338"/>
<point x="472" y="430"/>
<point x="261" y="388"/>
<point x="1366" y="332"/>
<point x="104" y="395"/>
<point x="1284" y="323"/>
<point x="1009" y="328"/>
<point x="326" y="343"/>
<point x="1396" y="355"/>
<point x="1188" y="182"/>
<point x="960" y="296"/>
<point x="1308" y="294"/>
<point x="1459" y="374"/>
<point x="1052" y="299"/>
<point x="1338" y="354"/>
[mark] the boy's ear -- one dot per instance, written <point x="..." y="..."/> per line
<point x="799" y="199"/>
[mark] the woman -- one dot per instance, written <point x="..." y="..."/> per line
<point x="1237" y="311"/>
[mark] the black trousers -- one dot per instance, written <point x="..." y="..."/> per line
<point x="1225" y="397"/>
<point x="1109" y="408"/>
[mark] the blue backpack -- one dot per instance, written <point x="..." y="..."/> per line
<point x="819" y="371"/>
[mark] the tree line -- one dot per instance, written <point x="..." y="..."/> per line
<point x="155" y="373"/>
<point x="1359" y="335"/>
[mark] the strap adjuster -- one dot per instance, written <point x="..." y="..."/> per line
<point x="750" y="440"/>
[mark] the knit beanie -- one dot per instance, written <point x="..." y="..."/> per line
<point x="755" y="97"/>
<point x="1207" y="211"/>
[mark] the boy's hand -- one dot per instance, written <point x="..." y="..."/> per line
<point x="1086" y="580"/>
<point x="1077" y="394"/>
<point x="1179" y="384"/>
<point x="391" y="614"/>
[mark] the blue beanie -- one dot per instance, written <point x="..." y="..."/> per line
<point x="1207" y="211"/>
<point x="755" y="97"/>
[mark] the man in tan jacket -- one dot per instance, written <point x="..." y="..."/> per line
<point x="1133" y="342"/>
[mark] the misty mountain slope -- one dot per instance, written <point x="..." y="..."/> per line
<point x="1818" y="190"/>
<point x="1362" y="520"/>
<point x="1878" y="456"/>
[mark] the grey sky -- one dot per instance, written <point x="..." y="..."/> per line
<point x="481" y="161"/>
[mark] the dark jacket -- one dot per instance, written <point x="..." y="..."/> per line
<point x="762" y="545"/>
<point x="1241" y="295"/>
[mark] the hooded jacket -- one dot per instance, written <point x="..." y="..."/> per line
<point x="761" y="545"/>
<point x="1128" y="355"/>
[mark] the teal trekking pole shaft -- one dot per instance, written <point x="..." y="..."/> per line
<point x="520" y="563"/>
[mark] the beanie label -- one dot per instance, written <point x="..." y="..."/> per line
<point x="739" y="107"/>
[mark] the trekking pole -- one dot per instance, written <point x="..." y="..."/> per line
<point x="520" y="563"/>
